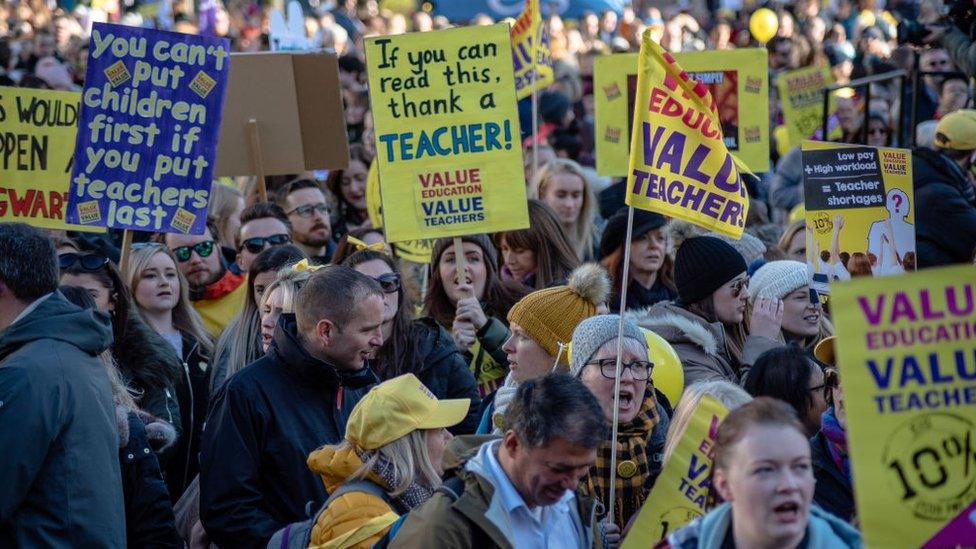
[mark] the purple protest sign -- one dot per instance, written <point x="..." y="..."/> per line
<point x="147" y="135"/>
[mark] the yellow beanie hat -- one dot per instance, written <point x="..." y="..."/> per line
<point x="550" y="315"/>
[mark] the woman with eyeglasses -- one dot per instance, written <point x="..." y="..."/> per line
<point x="147" y="363"/>
<point x="831" y="464"/>
<point x="349" y="188"/>
<point x="710" y="276"/>
<point x="793" y="376"/>
<point x="161" y="296"/>
<point x="420" y="347"/>
<point x="240" y="343"/>
<point x="642" y="419"/>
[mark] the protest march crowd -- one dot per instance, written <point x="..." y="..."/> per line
<point x="295" y="375"/>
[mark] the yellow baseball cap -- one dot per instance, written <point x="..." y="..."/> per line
<point x="396" y="408"/>
<point x="957" y="130"/>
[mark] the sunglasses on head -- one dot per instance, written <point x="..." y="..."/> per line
<point x="89" y="262"/>
<point x="390" y="282"/>
<point x="257" y="244"/>
<point x="203" y="249"/>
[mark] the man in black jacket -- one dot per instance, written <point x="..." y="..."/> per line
<point x="268" y="417"/>
<point x="945" y="200"/>
<point x="60" y="484"/>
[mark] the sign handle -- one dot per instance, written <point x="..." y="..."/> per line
<point x="257" y="159"/>
<point x="126" y="250"/>
<point x="624" y="276"/>
<point x="460" y="261"/>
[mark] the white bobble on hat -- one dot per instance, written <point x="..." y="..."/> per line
<point x="778" y="279"/>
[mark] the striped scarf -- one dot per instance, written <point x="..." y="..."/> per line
<point x="836" y="441"/>
<point x="414" y="496"/>
<point x="633" y="474"/>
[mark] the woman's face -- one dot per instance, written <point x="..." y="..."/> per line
<point x="158" y="288"/>
<point x="801" y="318"/>
<point x="877" y="133"/>
<point x="520" y="261"/>
<point x="798" y="247"/>
<point x="730" y="300"/>
<point x="631" y="389"/>
<point x="101" y="294"/>
<point x="262" y="281"/>
<point x="391" y="301"/>
<point x="818" y="402"/>
<point x="436" y="441"/>
<point x="271" y="309"/>
<point x="769" y="482"/>
<point x="475" y="274"/>
<point x="564" y="194"/>
<point x="353" y="185"/>
<point x="647" y="251"/>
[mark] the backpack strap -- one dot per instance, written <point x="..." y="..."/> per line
<point x="452" y="488"/>
<point x="361" y="485"/>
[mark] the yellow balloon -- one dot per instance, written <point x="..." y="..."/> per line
<point x="763" y="24"/>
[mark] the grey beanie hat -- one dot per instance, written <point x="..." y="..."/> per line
<point x="593" y="333"/>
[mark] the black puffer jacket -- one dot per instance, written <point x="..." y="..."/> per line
<point x="263" y="424"/>
<point x="945" y="210"/>
<point x="833" y="491"/>
<point x="443" y="369"/>
<point x="193" y="394"/>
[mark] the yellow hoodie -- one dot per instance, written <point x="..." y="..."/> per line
<point x="350" y="511"/>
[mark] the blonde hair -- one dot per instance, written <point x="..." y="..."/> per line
<point x="797" y="226"/>
<point x="728" y="394"/>
<point x="580" y="235"/>
<point x="289" y="281"/>
<point x="185" y="318"/>
<point x="223" y="203"/>
<point x="409" y="459"/>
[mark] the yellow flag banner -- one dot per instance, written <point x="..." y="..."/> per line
<point x="414" y="251"/>
<point x="679" y="163"/>
<point x="682" y="491"/>
<point x="906" y="351"/>
<point x="530" y="51"/>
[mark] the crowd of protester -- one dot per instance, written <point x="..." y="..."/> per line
<point x="286" y="377"/>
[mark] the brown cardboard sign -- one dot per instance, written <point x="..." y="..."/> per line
<point x="296" y="100"/>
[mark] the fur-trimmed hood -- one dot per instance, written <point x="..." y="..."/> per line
<point x="678" y="325"/>
<point x="160" y="434"/>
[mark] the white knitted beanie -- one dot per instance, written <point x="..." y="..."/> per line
<point x="778" y="279"/>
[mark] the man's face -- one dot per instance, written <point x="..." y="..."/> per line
<point x="935" y="61"/>
<point x="255" y="235"/>
<point x="780" y="57"/>
<point x="543" y="475"/>
<point x="348" y="346"/>
<point x="309" y="216"/>
<point x="199" y="270"/>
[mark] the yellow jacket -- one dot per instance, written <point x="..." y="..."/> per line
<point x="351" y="511"/>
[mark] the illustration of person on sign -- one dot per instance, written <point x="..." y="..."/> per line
<point x="892" y="239"/>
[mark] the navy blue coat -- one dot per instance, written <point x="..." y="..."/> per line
<point x="945" y="210"/>
<point x="833" y="492"/>
<point x="263" y="424"/>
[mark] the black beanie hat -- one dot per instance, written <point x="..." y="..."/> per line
<point x="704" y="264"/>
<point x="615" y="233"/>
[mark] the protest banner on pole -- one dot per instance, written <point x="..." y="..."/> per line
<point x="682" y="491"/>
<point x="860" y="215"/>
<point x="801" y="96"/>
<point x="531" y="60"/>
<point x="414" y="251"/>
<point x="737" y="80"/>
<point x="906" y="351"/>
<point x="447" y="133"/>
<point x="150" y="112"/>
<point x="36" y="141"/>
<point x="680" y="165"/>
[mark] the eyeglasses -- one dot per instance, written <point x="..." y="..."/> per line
<point x="257" y="244"/>
<point x="640" y="369"/>
<point x="203" y="249"/>
<point x="738" y="286"/>
<point x="89" y="262"/>
<point x="308" y="209"/>
<point x="390" y="282"/>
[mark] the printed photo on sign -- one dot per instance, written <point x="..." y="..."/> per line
<point x="150" y="113"/>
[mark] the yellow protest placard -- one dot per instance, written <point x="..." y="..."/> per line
<point x="680" y="165"/>
<point x="906" y="350"/>
<point x="801" y="95"/>
<point x="414" y="251"/>
<point x="737" y="80"/>
<point x="860" y="213"/>
<point x="447" y="132"/>
<point x="531" y="59"/>
<point x="37" y="138"/>
<point x="681" y="493"/>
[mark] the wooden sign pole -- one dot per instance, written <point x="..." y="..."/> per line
<point x="126" y="251"/>
<point x="257" y="161"/>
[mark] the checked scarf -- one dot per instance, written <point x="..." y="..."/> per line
<point x="836" y="439"/>
<point x="414" y="495"/>
<point x="632" y="441"/>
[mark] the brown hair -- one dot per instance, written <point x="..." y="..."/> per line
<point x="760" y="411"/>
<point x="554" y="255"/>
<point x="345" y="250"/>
<point x="357" y="153"/>
<point x="580" y="235"/>
<point x="859" y="265"/>
<point x="614" y="264"/>
<point x="789" y="233"/>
